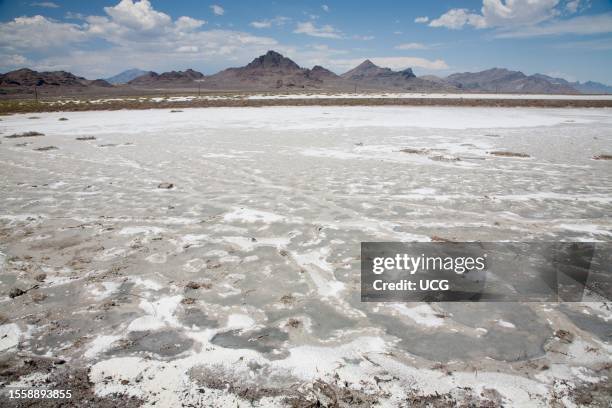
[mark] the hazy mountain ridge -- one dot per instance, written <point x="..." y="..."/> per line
<point x="588" y="87"/>
<point x="501" y="80"/>
<point x="125" y="76"/>
<point x="273" y="71"/>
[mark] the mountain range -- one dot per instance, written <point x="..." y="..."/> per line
<point x="125" y="76"/>
<point x="275" y="72"/>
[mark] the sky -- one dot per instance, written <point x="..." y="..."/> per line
<point x="571" y="39"/>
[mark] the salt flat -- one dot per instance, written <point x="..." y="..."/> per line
<point x="245" y="275"/>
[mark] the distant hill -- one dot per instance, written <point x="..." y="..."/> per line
<point x="369" y="76"/>
<point x="25" y="80"/>
<point x="126" y="76"/>
<point x="273" y="71"/>
<point x="588" y="87"/>
<point x="502" y="80"/>
<point x="172" y="78"/>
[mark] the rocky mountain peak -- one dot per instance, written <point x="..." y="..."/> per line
<point x="273" y="59"/>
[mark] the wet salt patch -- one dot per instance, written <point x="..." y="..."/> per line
<point x="229" y="290"/>
<point x="585" y="198"/>
<point x="110" y="253"/>
<point x="319" y="271"/>
<point x="156" y="258"/>
<point x="239" y="322"/>
<point x="13" y="219"/>
<point x="41" y="237"/>
<point x="217" y="252"/>
<point x="163" y="309"/>
<point x="220" y="156"/>
<point x="99" y="345"/>
<point x="311" y="362"/>
<point x="146" y="283"/>
<point x="424" y="191"/>
<point x="248" y="244"/>
<point x="194" y="265"/>
<point x="585" y="375"/>
<point x="145" y="323"/>
<point x="222" y="228"/>
<point x="9" y="336"/>
<point x="191" y="241"/>
<point x="251" y="216"/>
<point x="423" y="315"/>
<point x="591" y="229"/>
<point x="141" y="230"/>
<point x="230" y="259"/>
<point x="331" y="153"/>
<point x="505" y="324"/>
<point x="108" y="288"/>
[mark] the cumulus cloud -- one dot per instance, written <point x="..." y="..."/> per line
<point x="15" y="60"/>
<point x="457" y="18"/>
<point x="325" y="31"/>
<point x="423" y="19"/>
<point x="411" y="46"/>
<point x="261" y="24"/>
<point x="325" y="8"/>
<point x="217" y="10"/>
<point x="572" y="6"/>
<point x="137" y="35"/>
<point x="267" y="23"/>
<point x="38" y="33"/>
<point x="499" y="13"/>
<point x="138" y="16"/>
<point x="45" y="4"/>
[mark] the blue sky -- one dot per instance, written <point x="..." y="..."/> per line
<point x="567" y="38"/>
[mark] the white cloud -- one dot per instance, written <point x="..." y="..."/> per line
<point x="217" y="10"/>
<point x="187" y="23"/>
<point x="261" y="24"/>
<point x="411" y="46"/>
<point x="457" y="18"/>
<point x="74" y="16"/>
<point x="15" y="60"/>
<point x="423" y="19"/>
<point x="398" y="32"/>
<point x="500" y="13"/>
<point x="138" y="35"/>
<point x="363" y="37"/>
<point x="325" y="8"/>
<point x="45" y="4"/>
<point x="581" y="25"/>
<point x="279" y="21"/>
<point x="396" y="63"/>
<point x="572" y="6"/>
<point x="37" y="33"/>
<point x="325" y="31"/>
<point x="138" y="16"/>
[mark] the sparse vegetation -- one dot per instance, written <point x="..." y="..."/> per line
<point x="508" y="154"/>
<point x="24" y="134"/>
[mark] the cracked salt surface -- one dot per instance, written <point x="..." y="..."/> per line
<point x="266" y="217"/>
